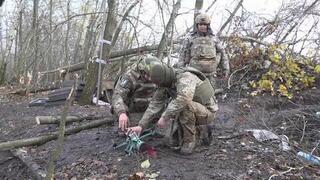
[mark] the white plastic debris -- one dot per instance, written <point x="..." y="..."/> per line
<point x="100" y="103"/>
<point x="284" y="145"/>
<point x="263" y="135"/>
<point x="318" y="114"/>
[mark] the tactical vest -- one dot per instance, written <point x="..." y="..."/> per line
<point x="138" y="99"/>
<point x="144" y="90"/>
<point x="204" y="92"/>
<point x="203" y="54"/>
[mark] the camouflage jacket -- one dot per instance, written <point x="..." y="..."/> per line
<point x="185" y="52"/>
<point x="169" y="102"/>
<point x="130" y="87"/>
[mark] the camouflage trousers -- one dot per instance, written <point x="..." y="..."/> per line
<point x="190" y="126"/>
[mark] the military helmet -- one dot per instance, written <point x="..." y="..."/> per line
<point x="159" y="73"/>
<point x="203" y="19"/>
<point x="144" y="63"/>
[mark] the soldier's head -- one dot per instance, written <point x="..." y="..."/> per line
<point x="202" y="22"/>
<point x="153" y="69"/>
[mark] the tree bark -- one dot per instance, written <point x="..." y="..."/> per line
<point x="35" y="169"/>
<point x="45" y="138"/>
<point x="116" y="54"/>
<point x="66" y="45"/>
<point x="19" y="70"/>
<point x="125" y="15"/>
<point x="62" y="127"/>
<point x="57" y="119"/>
<point x="197" y="9"/>
<point x="91" y="75"/>
<point x="164" y="40"/>
<point x="230" y="18"/>
<point x="35" y="41"/>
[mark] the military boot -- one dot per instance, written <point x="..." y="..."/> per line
<point x="188" y="148"/>
<point x="205" y="134"/>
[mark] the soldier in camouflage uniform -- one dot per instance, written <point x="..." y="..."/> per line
<point x="203" y="51"/>
<point x="185" y="92"/>
<point x="132" y="93"/>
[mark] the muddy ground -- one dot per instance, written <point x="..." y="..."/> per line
<point x="232" y="154"/>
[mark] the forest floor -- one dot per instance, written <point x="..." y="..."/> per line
<point x="234" y="152"/>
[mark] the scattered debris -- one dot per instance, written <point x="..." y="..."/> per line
<point x="100" y="103"/>
<point x="39" y="102"/>
<point x="309" y="157"/>
<point x="145" y="164"/>
<point x="284" y="145"/>
<point x="263" y="135"/>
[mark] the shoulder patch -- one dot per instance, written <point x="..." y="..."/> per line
<point x="125" y="82"/>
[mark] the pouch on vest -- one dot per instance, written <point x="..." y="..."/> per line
<point x="203" y="54"/>
<point x="204" y="92"/>
<point x="203" y="48"/>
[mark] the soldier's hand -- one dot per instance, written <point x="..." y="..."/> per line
<point x="161" y="123"/>
<point x="123" y="121"/>
<point x="136" y="129"/>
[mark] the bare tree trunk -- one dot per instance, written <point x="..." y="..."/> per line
<point x="125" y="15"/>
<point x="19" y="71"/>
<point x="88" y="40"/>
<point x="50" y="55"/>
<point x="35" y="40"/>
<point x="66" y="44"/>
<point x="197" y="9"/>
<point x="78" y="48"/>
<point x="168" y="30"/>
<point x="230" y="18"/>
<point x="91" y="73"/>
<point x="62" y="127"/>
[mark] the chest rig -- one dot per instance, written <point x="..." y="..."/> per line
<point x="203" y="54"/>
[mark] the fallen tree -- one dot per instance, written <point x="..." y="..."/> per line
<point x="57" y="119"/>
<point x="113" y="56"/>
<point x="37" y="172"/>
<point x="45" y="138"/>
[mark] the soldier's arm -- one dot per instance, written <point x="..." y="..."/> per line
<point x="186" y="86"/>
<point x="224" y="58"/>
<point x="184" y="57"/>
<point x="122" y="89"/>
<point x="155" y="108"/>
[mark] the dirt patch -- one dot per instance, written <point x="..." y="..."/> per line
<point x="231" y="155"/>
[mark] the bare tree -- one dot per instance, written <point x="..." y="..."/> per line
<point x="197" y="10"/>
<point x="168" y="29"/>
<point x="230" y="17"/>
<point x="35" y="41"/>
<point x="91" y="73"/>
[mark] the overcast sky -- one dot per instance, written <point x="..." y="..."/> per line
<point x="218" y="12"/>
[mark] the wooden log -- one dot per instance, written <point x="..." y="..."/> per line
<point x="45" y="138"/>
<point x="56" y="119"/>
<point x="218" y="91"/>
<point x="35" y="169"/>
<point x="69" y="119"/>
<point x="113" y="55"/>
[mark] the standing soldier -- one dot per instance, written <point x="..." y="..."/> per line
<point x="184" y="92"/>
<point x="132" y="93"/>
<point x="203" y="51"/>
